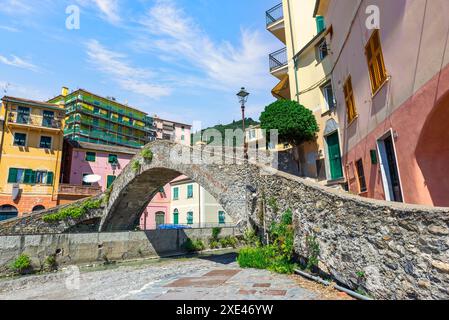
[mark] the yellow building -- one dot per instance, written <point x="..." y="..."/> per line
<point x="30" y="159"/>
<point x="306" y="78"/>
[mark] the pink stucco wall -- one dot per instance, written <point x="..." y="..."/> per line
<point x="414" y="37"/>
<point x="101" y="167"/>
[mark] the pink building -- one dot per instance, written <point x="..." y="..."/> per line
<point x="173" y="131"/>
<point x="392" y="89"/>
<point x="82" y="158"/>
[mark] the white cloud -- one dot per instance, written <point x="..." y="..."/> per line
<point x="130" y="78"/>
<point x="177" y="36"/>
<point x="109" y="9"/>
<point x="15" y="6"/>
<point x="18" y="63"/>
<point x="8" y="28"/>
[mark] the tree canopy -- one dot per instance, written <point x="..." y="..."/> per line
<point x="295" y="123"/>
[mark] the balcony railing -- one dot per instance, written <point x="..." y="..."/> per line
<point x="76" y="190"/>
<point x="278" y="59"/>
<point x="274" y="14"/>
<point x="35" y="120"/>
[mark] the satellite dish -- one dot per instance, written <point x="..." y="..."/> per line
<point x="92" y="178"/>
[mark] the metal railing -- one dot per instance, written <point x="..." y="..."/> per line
<point x="34" y="120"/>
<point x="278" y="59"/>
<point x="69" y="189"/>
<point x="274" y="14"/>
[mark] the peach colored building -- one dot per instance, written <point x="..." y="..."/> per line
<point x="173" y="131"/>
<point x="391" y="84"/>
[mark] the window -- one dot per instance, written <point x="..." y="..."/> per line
<point x="110" y="181"/>
<point x="113" y="159"/>
<point x="349" y="98"/>
<point x="20" y="139"/>
<point x="47" y="119"/>
<point x="23" y="115"/>
<point x="320" y="24"/>
<point x="175" y="193"/>
<point x="190" y="191"/>
<point x="221" y="217"/>
<point x="15" y="175"/>
<point x="182" y="137"/>
<point x="190" y="217"/>
<point x="375" y="59"/>
<point x="96" y="122"/>
<point x="328" y="94"/>
<point x="28" y="176"/>
<point x="86" y="183"/>
<point x="321" y="49"/>
<point x="361" y="175"/>
<point x="45" y="143"/>
<point x="8" y="212"/>
<point x="90" y="156"/>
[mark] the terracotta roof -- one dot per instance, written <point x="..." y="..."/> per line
<point x="102" y="147"/>
<point x="27" y="101"/>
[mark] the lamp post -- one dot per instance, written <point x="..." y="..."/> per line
<point x="243" y="98"/>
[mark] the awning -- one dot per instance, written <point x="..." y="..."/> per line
<point x="282" y="89"/>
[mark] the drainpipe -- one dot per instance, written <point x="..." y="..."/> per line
<point x="3" y="130"/>
<point x="293" y="49"/>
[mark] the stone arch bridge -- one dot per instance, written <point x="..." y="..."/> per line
<point x="403" y="250"/>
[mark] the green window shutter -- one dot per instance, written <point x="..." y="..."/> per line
<point x="29" y="177"/>
<point x="12" y="176"/>
<point x="110" y="181"/>
<point x="175" y="193"/>
<point x="113" y="158"/>
<point x="190" y="191"/>
<point x="189" y="217"/>
<point x="50" y="177"/>
<point x="221" y="217"/>
<point x="320" y="24"/>
<point x="90" y="156"/>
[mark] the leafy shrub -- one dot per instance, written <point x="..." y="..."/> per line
<point x="216" y="233"/>
<point x="147" y="154"/>
<point x="214" y="244"/>
<point x="276" y="256"/>
<point x="50" y="263"/>
<point x="229" y="241"/>
<point x="22" y="264"/>
<point x="74" y="211"/>
<point x="135" y="165"/>
<point x="251" y="239"/>
<point x="194" y="245"/>
<point x="313" y="250"/>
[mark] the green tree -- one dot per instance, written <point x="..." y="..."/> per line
<point x="295" y="123"/>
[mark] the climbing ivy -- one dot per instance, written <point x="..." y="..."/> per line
<point x="76" y="211"/>
<point x="136" y="165"/>
<point x="147" y="154"/>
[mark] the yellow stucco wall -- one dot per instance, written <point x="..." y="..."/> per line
<point x="30" y="156"/>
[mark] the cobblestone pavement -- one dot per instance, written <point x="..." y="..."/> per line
<point x="209" y="277"/>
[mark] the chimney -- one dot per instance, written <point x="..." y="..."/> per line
<point x="65" y="91"/>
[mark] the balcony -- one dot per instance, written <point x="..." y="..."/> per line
<point x="275" y="22"/>
<point x="279" y="63"/>
<point x="76" y="190"/>
<point x="34" y="121"/>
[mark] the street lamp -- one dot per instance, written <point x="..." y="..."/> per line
<point x="243" y="98"/>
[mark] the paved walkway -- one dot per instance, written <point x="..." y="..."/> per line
<point x="214" y="277"/>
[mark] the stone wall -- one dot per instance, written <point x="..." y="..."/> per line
<point x="72" y="249"/>
<point x="388" y="250"/>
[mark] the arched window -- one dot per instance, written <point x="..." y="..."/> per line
<point x="38" y="208"/>
<point x="176" y="216"/>
<point x="8" y="212"/>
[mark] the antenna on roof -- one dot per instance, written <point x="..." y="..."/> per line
<point x="6" y="87"/>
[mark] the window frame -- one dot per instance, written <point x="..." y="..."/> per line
<point x="320" y="55"/>
<point x="326" y="96"/>
<point x="189" y="218"/>
<point x="175" y="193"/>
<point x="376" y="63"/>
<point x="348" y="91"/>
<point x="221" y="217"/>
<point x="91" y="153"/>
<point x="25" y="141"/>
<point x="361" y="178"/>
<point x="40" y="142"/>
<point x="190" y="191"/>
<point x="110" y="157"/>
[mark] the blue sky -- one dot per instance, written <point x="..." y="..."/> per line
<point x="180" y="59"/>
